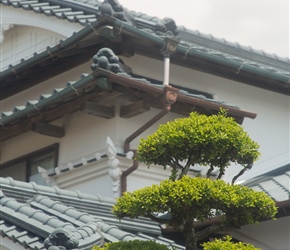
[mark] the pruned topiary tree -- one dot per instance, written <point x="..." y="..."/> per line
<point x="227" y="244"/>
<point x="196" y="199"/>
<point x="214" y="141"/>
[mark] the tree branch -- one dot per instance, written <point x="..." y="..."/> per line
<point x="209" y="171"/>
<point x="184" y="171"/>
<point x="249" y="166"/>
<point x="207" y="231"/>
<point x="157" y="219"/>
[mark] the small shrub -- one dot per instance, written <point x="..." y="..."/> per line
<point x="133" y="245"/>
<point x="227" y="244"/>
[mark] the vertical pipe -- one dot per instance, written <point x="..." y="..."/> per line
<point x="166" y="70"/>
<point x="163" y="112"/>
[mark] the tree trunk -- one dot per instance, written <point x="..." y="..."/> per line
<point x="189" y="235"/>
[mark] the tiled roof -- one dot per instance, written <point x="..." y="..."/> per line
<point x="30" y="213"/>
<point x="275" y="183"/>
<point x="85" y="12"/>
<point x="192" y="43"/>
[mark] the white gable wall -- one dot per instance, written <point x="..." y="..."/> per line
<point x="23" y="41"/>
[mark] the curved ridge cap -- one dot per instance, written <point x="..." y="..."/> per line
<point x="55" y="190"/>
<point x="234" y="44"/>
<point x="88" y="3"/>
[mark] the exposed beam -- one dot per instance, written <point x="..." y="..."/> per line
<point x="134" y="109"/>
<point x="47" y="116"/>
<point x="49" y="129"/>
<point x="98" y="110"/>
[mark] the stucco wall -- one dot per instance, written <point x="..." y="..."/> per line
<point x="271" y="127"/>
<point x="267" y="235"/>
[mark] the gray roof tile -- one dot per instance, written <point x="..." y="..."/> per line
<point x="94" y="205"/>
<point x="185" y="34"/>
<point x="29" y="224"/>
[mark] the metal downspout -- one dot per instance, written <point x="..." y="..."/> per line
<point x="169" y="97"/>
<point x="130" y="138"/>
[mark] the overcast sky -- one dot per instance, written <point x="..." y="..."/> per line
<point x="261" y="24"/>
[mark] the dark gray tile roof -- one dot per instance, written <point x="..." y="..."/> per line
<point x="275" y="183"/>
<point x="30" y="213"/>
<point x="85" y="12"/>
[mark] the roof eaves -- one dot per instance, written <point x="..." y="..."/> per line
<point x="32" y="108"/>
<point x="236" y="63"/>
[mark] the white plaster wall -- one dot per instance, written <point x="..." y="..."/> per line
<point x="271" y="127"/>
<point x="92" y="178"/>
<point x="21" y="42"/>
<point x="267" y="235"/>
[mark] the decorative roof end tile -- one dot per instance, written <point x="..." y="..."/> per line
<point x="115" y="9"/>
<point x="61" y="239"/>
<point x="106" y="59"/>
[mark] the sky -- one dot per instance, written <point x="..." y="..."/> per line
<point x="261" y="24"/>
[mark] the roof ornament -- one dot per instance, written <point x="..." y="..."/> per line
<point x="45" y="176"/>
<point x="61" y="239"/>
<point x="114" y="171"/>
<point x="166" y="26"/>
<point x="106" y="59"/>
<point x="114" y="9"/>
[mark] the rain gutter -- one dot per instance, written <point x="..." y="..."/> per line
<point x="180" y="97"/>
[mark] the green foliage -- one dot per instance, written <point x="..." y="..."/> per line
<point x="226" y="244"/>
<point x="215" y="141"/>
<point x="133" y="245"/>
<point x="195" y="198"/>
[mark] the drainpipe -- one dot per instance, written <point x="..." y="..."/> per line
<point x="170" y="95"/>
<point x="168" y="98"/>
<point x="166" y="69"/>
